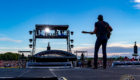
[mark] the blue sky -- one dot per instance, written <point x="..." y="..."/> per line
<point x="20" y="16"/>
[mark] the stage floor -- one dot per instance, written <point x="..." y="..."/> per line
<point x="73" y="73"/>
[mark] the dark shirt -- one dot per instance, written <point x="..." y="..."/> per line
<point x="101" y="30"/>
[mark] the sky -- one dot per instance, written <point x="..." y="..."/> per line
<point x="18" y="17"/>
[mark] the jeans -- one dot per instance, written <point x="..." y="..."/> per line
<point x="101" y="40"/>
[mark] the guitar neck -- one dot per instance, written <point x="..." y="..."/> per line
<point x="87" y="32"/>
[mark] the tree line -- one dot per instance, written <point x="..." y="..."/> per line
<point x="9" y="56"/>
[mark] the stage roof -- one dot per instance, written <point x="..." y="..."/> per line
<point x="63" y="54"/>
<point x="51" y="27"/>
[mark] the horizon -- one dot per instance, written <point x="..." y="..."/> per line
<point x="19" y="17"/>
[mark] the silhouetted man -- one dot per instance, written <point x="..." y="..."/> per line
<point x="101" y="32"/>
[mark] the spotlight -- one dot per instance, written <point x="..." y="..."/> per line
<point x="30" y="45"/>
<point x="30" y="32"/>
<point x="72" y="32"/>
<point x="47" y="29"/>
<point x="71" y="46"/>
<point x="71" y="40"/>
<point x="30" y="40"/>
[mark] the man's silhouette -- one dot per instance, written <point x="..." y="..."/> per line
<point x="101" y="32"/>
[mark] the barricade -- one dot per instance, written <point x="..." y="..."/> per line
<point x="49" y="65"/>
<point x="125" y="63"/>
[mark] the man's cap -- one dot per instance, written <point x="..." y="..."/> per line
<point x="100" y="17"/>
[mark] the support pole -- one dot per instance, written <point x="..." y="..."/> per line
<point x="67" y="41"/>
<point x="34" y="43"/>
<point x="18" y="57"/>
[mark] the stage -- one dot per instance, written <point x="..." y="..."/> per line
<point x="75" y="73"/>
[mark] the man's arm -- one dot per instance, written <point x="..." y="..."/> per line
<point x="110" y="28"/>
<point x="94" y="32"/>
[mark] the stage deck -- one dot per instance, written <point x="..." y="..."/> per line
<point x="73" y="73"/>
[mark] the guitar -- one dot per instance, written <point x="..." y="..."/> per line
<point x="108" y="33"/>
<point x="87" y="32"/>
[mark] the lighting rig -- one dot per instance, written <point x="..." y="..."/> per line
<point x="46" y="32"/>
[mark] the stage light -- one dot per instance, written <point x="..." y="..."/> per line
<point x="72" y="46"/>
<point x="71" y="40"/>
<point x="30" y="45"/>
<point x="30" y="32"/>
<point x="30" y="40"/>
<point x="72" y="32"/>
<point x="47" y="29"/>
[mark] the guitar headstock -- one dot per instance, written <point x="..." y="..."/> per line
<point x="84" y="31"/>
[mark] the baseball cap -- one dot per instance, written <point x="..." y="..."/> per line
<point x="100" y="17"/>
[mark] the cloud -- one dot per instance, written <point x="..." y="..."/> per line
<point x="8" y="39"/>
<point x="83" y="48"/>
<point x="138" y="4"/>
<point x="138" y="1"/>
<point x="86" y="44"/>
<point x="121" y="44"/>
<point x="14" y="48"/>
<point x="113" y="49"/>
<point x="2" y="35"/>
<point x="58" y="43"/>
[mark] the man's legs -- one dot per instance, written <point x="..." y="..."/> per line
<point x="104" y="43"/>
<point x="97" y="46"/>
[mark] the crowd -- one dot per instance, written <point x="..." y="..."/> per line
<point x="90" y="63"/>
<point x="12" y="64"/>
<point x="86" y="63"/>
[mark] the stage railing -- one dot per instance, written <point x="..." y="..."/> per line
<point x="125" y="63"/>
<point x="49" y="65"/>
